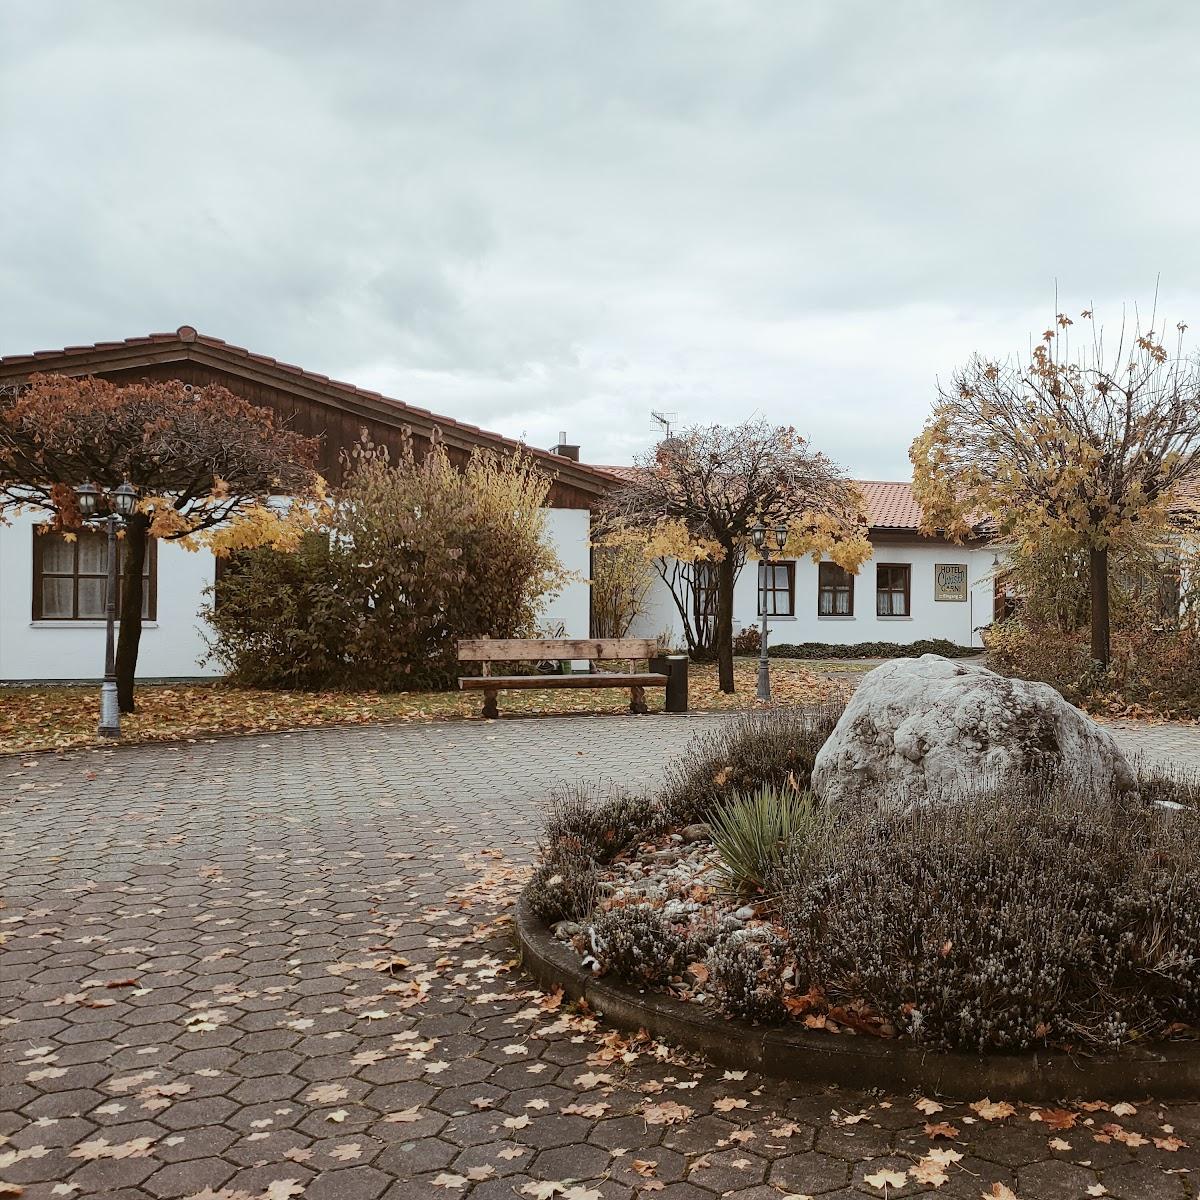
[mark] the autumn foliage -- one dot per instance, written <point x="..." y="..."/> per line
<point x="204" y="461"/>
<point x="1078" y="449"/>
<point x="693" y="501"/>
<point x="404" y="560"/>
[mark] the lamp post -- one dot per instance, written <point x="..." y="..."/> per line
<point x="110" y="508"/>
<point x="759" y="534"/>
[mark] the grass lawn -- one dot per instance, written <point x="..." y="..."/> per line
<point x="59" y="718"/>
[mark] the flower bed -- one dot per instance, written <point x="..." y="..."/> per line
<point x="1039" y="916"/>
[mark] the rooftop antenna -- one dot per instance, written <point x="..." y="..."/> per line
<point x="663" y="419"/>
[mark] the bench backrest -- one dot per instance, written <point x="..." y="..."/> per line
<point x="551" y="649"/>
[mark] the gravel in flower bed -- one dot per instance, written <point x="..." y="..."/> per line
<point x="733" y="952"/>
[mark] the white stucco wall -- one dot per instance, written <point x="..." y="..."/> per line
<point x="171" y="645"/>
<point x="956" y="621"/>
<point x="569" y="530"/>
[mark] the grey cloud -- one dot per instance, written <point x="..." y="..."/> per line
<point x="555" y="215"/>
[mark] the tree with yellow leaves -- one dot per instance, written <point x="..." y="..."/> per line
<point x="205" y="464"/>
<point x="1077" y="449"/>
<point x="696" y="497"/>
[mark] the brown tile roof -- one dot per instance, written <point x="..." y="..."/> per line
<point x="1187" y="497"/>
<point x="186" y="343"/>
<point x="890" y="505"/>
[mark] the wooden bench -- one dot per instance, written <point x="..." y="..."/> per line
<point x="490" y="650"/>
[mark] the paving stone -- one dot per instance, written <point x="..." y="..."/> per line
<point x="254" y="886"/>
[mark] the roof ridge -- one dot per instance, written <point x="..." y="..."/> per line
<point x="188" y="335"/>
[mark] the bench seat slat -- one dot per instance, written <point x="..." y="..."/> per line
<point x="551" y="649"/>
<point x="606" y="679"/>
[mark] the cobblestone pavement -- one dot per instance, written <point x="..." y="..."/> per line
<point x="275" y="967"/>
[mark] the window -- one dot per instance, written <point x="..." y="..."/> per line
<point x="777" y="589"/>
<point x="892" y="589"/>
<point x="835" y="591"/>
<point x="70" y="578"/>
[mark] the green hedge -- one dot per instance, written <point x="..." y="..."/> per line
<point x="872" y="649"/>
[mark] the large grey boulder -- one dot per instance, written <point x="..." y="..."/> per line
<point x="933" y="729"/>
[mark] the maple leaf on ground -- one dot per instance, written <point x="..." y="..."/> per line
<point x="1122" y="1109"/>
<point x="283" y="1189"/>
<point x="1055" y="1118"/>
<point x="999" y="1191"/>
<point x="993" y="1110"/>
<point x="1170" y="1144"/>
<point x="326" y="1093"/>
<point x="929" y="1173"/>
<point x="511" y="1152"/>
<point x="405" y="1115"/>
<point x="884" y="1179"/>
<point x="579" y="1192"/>
<point x="927" y="1106"/>
<point x="728" y="1103"/>
<point x="943" y="1129"/>
<point x="1059" y="1144"/>
<point x="451" y="1182"/>
<point x="543" y="1189"/>
<point x="666" y="1113"/>
<point x="347" y="1151"/>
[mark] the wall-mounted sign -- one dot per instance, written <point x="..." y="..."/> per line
<point x="950" y="581"/>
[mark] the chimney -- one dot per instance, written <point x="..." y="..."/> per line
<point x="563" y="450"/>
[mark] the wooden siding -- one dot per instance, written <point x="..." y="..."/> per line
<point x="309" y="404"/>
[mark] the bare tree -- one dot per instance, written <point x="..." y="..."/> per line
<point x="1074" y="450"/>
<point x="696" y="497"/>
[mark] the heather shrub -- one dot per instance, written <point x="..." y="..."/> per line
<point x="746" y="974"/>
<point x="640" y="943"/>
<point x="773" y="748"/>
<point x="753" y="830"/>
<point x="562" y="887"/>
<point x="1036" y="912"/>
<point x="599" y="821"/>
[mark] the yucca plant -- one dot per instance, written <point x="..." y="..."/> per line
<point x="754" y="830"/>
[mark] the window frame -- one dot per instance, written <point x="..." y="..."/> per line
<point x="822" y="569"/>
<point x="149" y="575"/>
<point x="891" y="590"/>
<point x="789" y="567"/>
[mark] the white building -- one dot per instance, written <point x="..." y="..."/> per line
<point x="52" y="591"/>
<point x="52" y="599"/>
<point x="912" y="588"/>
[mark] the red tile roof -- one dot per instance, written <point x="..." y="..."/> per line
<point x="1187" y="497"/>
<point x="890" y="505"/>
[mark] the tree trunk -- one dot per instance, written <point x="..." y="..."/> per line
<point x="1098" y="587"/>
<point x="726" y="575"/>
<point x="131" y="608"/>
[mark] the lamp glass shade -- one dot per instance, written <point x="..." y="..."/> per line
<point x="781" y="536"/>
<point x="87" y="495"/>
<point x="759" y="534"/>
<point x="124" y="499"/>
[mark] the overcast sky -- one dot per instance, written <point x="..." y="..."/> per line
<point x="545" y="216"/>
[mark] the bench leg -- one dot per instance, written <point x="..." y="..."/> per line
<point x="490" y="707"/>
<point x="637" y="700"/>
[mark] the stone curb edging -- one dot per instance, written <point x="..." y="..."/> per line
<point x="1169" y="1073"/>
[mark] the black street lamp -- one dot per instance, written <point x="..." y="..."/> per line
<point x="759" y="534"/>
<point x="111" y="508"/>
